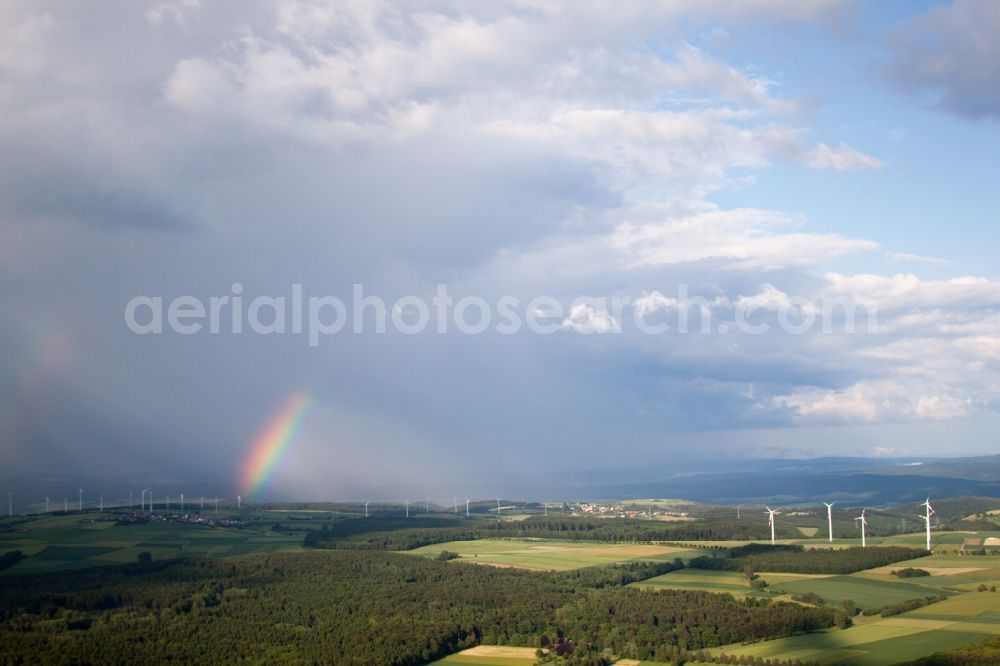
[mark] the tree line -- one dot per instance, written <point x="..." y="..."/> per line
<point x="796" y="559"/>
<point x="395" y="533"/>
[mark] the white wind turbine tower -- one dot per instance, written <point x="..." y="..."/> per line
<point x="498" y="508"/>
<point x="81" y="500"/>
<point x="366" y="508"/>
<point x="182" y="501"/>
<point x="239" y="501"/>
<point x="864" y="523"/>
<point x="406" y="503"/>
<point x="466" y="507"/>
<point x="46" y="505"/>
<point x="829" y="517"/>
<point x="100" y="501"/>
<point x="455" y="500"/>
<point x="202" y="505"/>
<point x="927" y="519"/>
<point x="771" y="513"/>
<point x="65" y="505"/>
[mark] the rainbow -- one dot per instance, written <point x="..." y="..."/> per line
<point x="272" y="443"/>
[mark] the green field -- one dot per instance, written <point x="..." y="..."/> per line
<point x="490" y="655"/>
<point x="55" y="542"/>
<point x="732" y="582"/>
<point x="965" y="617"/>
<point x="551" y="555"/>
<point x="699" y="579"/>
<point x="865" y="592"/>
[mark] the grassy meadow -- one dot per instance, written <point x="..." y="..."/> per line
<point x="72" y="541"/>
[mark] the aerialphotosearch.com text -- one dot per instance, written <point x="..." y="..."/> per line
<point x="652" y="312"/>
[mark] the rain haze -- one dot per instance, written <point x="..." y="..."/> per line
<point x="540" y="194"/>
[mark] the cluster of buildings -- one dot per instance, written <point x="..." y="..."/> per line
<point x="135" y="517"/>
<point x="620" y="511"/>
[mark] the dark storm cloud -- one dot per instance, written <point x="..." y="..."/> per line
<point x="178" y="149"/>
<point x="951" y="55"/>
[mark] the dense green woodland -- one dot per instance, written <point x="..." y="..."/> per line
<point x="409" y="533"/>
<point x="350" y="607"/>
<point x="795" y="559"/>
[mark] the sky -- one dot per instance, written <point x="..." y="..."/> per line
<point x="813" y="183"/>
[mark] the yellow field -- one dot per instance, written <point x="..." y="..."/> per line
<point x="934" y="571"/>
<point x="549" y="555"/>
<point x="490" y="655"/>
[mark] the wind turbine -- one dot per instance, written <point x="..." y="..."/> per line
<point x="100" y="501"/>
<point x="406" y="503"/>
<point x="829" y="517"/>
<point x="455" y="500"/>
<point x="864" y="523"/>
<point x="81" y="500"/>
<point x="927" y="519"/>
<point x="771" y="513"/>
<point x="239" y="501"/>
<point x="217" y="505"/>
<point x="366" y="508"/>
<point x="202" y="505"/>
<point x="466" y="507"/>
<point x="182" y="501"/>
<point x="498" y="508"/>
<point x="427" y="505"/>
<point x="545" y="508"/>
<point x="65" y="505"/>
<point x="168" y="502"/>
<point x="46" y="505"/>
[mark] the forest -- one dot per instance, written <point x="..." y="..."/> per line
<point x="367" y="608"/>
<point x="796" y="559"/>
